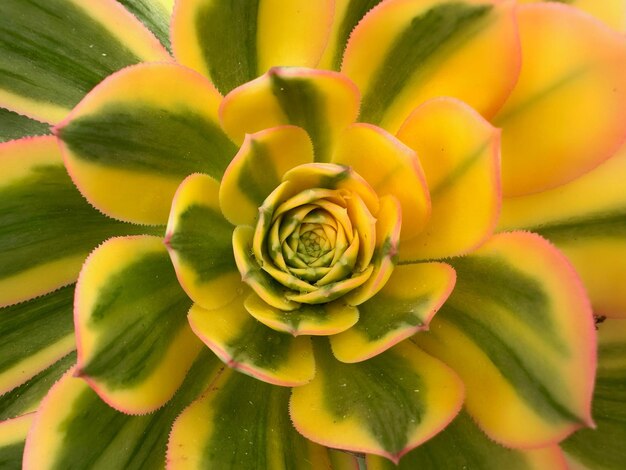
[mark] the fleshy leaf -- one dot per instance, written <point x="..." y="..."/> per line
<point x="35" y="335"/>
<point x="51" y="55"/>
<point x="242" y="423"/>
<point x="323" y="103"/>
<point x="14" y="126"/>
<point x="26" y="397"/>
<point x="586" y="219"/>
<point x="390" y="167"/>
<point x="350" y="406"/>
<point x="574" y="68"/>
<point x="235" y="42"/>
<point x="612" y="12"/>
<point x="518" y="330"/>
<point x="347" y="15"/>
<point x="460" y="154"/>
<point x="246" y="344"/>
<point x="261" y="282"/>
<point x="199" y="241"/>
<point x="135" y="137"/>
<point x="603" y="447"/>
<point x="258" y="168"/>
<point x="404" y="306"/>
<point x="324" y="319"/>
<point x="40" y="208"/>
<point x="405" y="52"/>
<point x="329" y="176"/>
<point x="462" y="445"/>
<point x="12" y="436"/>
<point x="154" y="14"/>
<point x="134" y="343"/>
<point x="385" y="255"/>
<point x="334" y="290"/>
<point x="76" y="429"/>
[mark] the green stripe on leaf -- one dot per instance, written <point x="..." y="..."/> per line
<point x="91" y="429"/>
<point x="153" y="15"/>
<point x="527" y="372"/>
<point x="43" y="209"/>
<point x="386" y="405"/>
<point x="603" y="447"/>
<point x="32" y="326"/>
<point x="53" y="51"/>
<point x="509" y="296"/>
<point x="263" y="408"/>
<point x="232" y="60"/>
<point x="383" y="314"/>
<point x="304" y="107"/>
<point x="260" y="346"/>
<point x="137" y="313"/>
<point x="27" y="396"/>
<point x="433" y="33"/>
<point x="258" y="176"/>
<point x="147" y="139"/>
<point x="15" y="126"/>
<point x="398" y="408"/>
<point x="203" y="241"/>
<point x="502" y="285"/>
<point x="242" y="423"/>
<point x="461" y="445"/>
<point x="609" y="224"/>
<point x="518" y="329"/>
<point x="11" y="456"/>
<point x="355" y="10"/>
<point x="248" y="345"/>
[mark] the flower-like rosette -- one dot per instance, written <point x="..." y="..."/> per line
<point x="514" y="342"/>
<point x="316" y="239"/>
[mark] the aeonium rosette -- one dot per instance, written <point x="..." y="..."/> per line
<point x="318" y="218"/>
<point x="307" y="257"/>
<point x="314" y="222"/>
<point x="316" y="235"/>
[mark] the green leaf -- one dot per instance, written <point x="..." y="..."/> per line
<point x="82" y="431"/>
<point x="15" y="126"/>
<point x="26" y="397"/>
<point x="246" y="344"/>
<point x="386" y="405"/>
<point x="603" y="447"/>
<point x="52" y="53"/>
<point x="426" y="36"/>
<point x="234" y="42"/>
<point x="154" y="14"/>
<point x="354" y="12"/>
<point x="199" y="240"/>
<point x="322" y="103"/>
<point x="11" y="456"/>
<point x="35" y="335"/>
<point x="462" y="445"/>
<point x="130" y="135"/>
<point x="261" y="437"/>
<point x="519" y="331"/>
<point x="404" y="306"/>
<point x="134" y="342"/>
<point x="146" y="138"/>
<point x="46" y="227"/>
<point x="12" y="436"/>
<point x="586" y="219"/>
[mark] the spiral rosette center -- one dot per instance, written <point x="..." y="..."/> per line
<point x="318" y="237"/>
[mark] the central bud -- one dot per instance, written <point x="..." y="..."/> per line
<point x="316" y="239"/>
